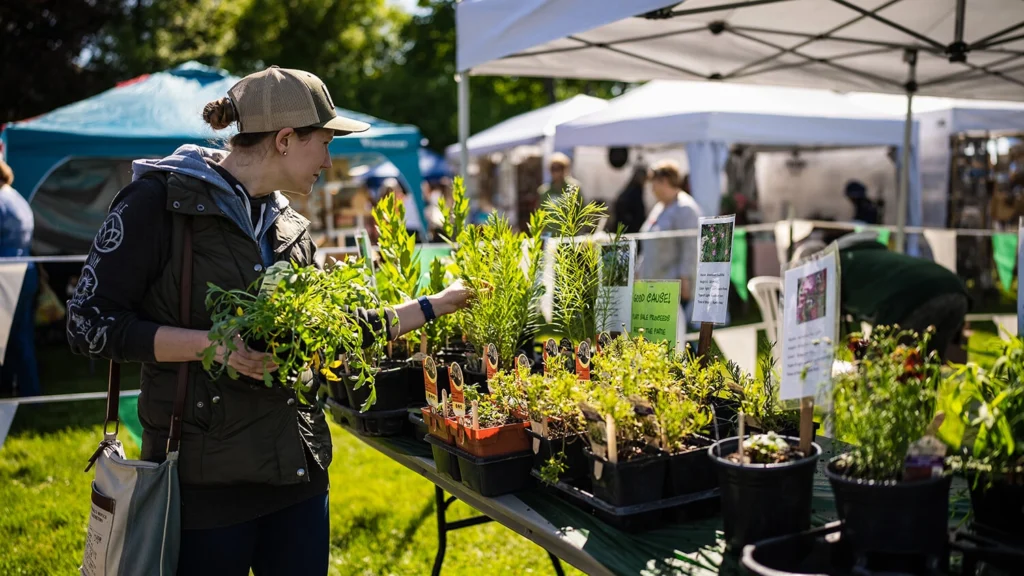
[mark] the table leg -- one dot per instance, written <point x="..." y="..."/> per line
<point x="557" y="564"/>
<point x="442" y="530"/>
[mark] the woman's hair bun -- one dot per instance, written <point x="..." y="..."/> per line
<point x="219" y="114"/>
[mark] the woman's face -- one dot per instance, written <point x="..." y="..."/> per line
<point x="301" y="167"/>
<point x="663" y="191"/>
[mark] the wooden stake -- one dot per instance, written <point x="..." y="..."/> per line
<point x="613" y="453"/>
<point x="423" y="344"/>
<point x="476" y="415"/>
<point x="742" y="433"/>
<point x="704" y="341"/>
<point x="806" y="424"/>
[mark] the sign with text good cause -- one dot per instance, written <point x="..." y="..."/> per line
<point x="714" y="267"/>
<point x="810" y="324"/>
<point x="656" y="309"/>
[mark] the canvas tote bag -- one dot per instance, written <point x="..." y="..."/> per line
<point x="135" y="519"/>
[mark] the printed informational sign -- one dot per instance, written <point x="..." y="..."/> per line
<point x="616" y="286"/>
<point x="810" y="324"/>
<point x="430" y="380"/>
<point x="714" y="267"/>
<point x="656" y="309"/>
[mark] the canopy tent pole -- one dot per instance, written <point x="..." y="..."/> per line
<point x="463" y="81"/>
<point x="910" y="57"/>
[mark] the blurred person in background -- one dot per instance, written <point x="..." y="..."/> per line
<point x="559" y="168"/>
<point x="882" y="287"/>
<point x="865" y="210"/>
<point x="628" y="209"/>
<point x="16" y="226"/>
<point x="671" y="258"/>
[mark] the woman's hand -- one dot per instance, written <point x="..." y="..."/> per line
<point x="452" y="299"/>
<point x="246" y="361"/>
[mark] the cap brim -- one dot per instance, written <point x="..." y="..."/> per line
<point x="343" y="126"/>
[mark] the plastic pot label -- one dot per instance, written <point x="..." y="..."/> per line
<point x="536" y="445"/>
<point x="603" y="340"/>
<point x="550" y="351"/>
<point x="598" y="469"/>
<point x="583" y="361"/>
<point x="430" y="380"/>
<point x="458" y="397"/>
<point x="522" y="369"/>
<point x="491" y="360"/>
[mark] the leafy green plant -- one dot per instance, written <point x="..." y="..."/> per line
<point x="678" y="419"/>
<point x="635" y="366"/>
<point x="985" y="413"/>
<point x="555" y="398"/>
<point x="398" y="273"/>
<point x="886" y="403"/>
<point x="767" y="448"/>
<point x="576" y="262"/>
<point x="300" y="315"/>
<point x="758" y="396"/>
<point x="442" y="329"/>
<point x="501" y="268"/>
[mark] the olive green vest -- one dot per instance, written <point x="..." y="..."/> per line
<point x="233" y="431"/>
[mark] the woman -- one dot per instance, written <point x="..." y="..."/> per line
<point x="671" y="258"/>
<point x="629" y="206"/>
<point x="253" y="461"/>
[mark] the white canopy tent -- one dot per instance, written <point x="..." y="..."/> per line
<point x="530" y="128"/>
<point x="934" y="47"/>
<point x="938" y="120"/>
<point x="708" y="117"/>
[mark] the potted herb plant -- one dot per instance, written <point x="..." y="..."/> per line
<point x="491" y="429"/>
<point x="766" y="485"/>
<point x="985" y="427"/>
<point x="556" y="423"/>
<point x="576" y="265"/>
<point x="889" y="502"/>
<point x="501" y="269"/>
<point x="679" y="419"/>
<point x="299" y="316"/>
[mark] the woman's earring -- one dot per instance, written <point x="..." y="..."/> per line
<point x="285" y="152"/>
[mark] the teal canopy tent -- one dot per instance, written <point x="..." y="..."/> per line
<point x="151" y="115"/>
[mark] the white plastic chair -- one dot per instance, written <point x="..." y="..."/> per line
<point x="766" y="291"/>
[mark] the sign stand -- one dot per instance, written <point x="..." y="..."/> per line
<point x="806" y="424"/>
<point x="704" y="341"/>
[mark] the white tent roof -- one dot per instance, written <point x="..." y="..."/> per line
<point x="530" y="127"/>
<point x="964" y="115"/>
<point x="666" y="112"/>
<point x="850" y="45"/>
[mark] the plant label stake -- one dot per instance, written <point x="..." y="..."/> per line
<point x="458" y="397"/>
<point x="550" y="351"/>
<point x="740" y="434"/>
<point x="806" y="423"/>
<point x="603" y="339"/>
<point x="491" y="361"/>
<point x="613" y="453"/>
<point x="566" y="350"/>
<point x="704" y="342"/>
<point x="476" y="414"/>
<point x="522" y="369"/>
<point x="429" y="380"/>
<point x="583" y="361"/>
<point x="423" y="344"/>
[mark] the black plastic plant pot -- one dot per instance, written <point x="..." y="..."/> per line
<point x="761" y="501"/>
<point x="576" y="463"/>
<point x="419" y="426"/>
<point x="417" y="395"/>
<point x="495" y="476"/>
<point x="637" y="481"/>
<point x="445" y="461"/>
<point x="907" y="518"/>
<point x="998" y="504"/>
<point x="690" y="472"/>
<point x="392" y="391"/>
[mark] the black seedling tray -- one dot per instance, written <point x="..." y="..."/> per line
<point x="639" y="517"/>
<point x="445" y="460"/>
<point x="384" y="423"/>
<point x="487" y="476"/>
<point x="419" y="426"/>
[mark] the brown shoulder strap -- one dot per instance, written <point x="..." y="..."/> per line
<point x="185" y="312"/>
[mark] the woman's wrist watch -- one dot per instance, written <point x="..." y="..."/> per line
<point x="427" y="308"/>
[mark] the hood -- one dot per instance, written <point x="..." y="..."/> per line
<point x="191" y="160"/>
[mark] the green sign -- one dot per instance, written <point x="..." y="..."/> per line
<point x="738" y="272"/>
<point x="656" y="309"/>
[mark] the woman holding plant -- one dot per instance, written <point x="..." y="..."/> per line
<point x="253" y="458"/>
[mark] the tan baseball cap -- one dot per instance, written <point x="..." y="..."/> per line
<point x="279" y="98"/>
